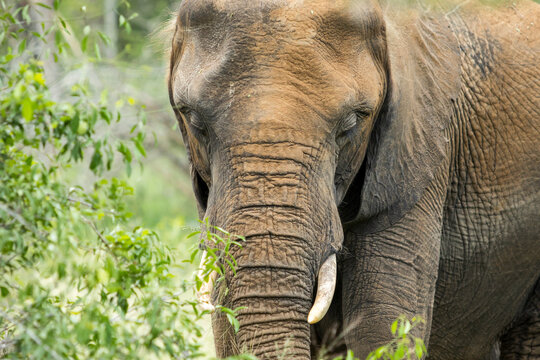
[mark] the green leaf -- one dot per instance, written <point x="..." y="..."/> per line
<point x="22" y="46"/>
<point x="97" y="51"/>
<point x="407" y="327"/>
<point x="84" y="43"/>
<point x="193" y="234"/>
<point x="232" y="320"/>
<point x="140" y="147"/>
<point x="350" y="355"/>
<point x="58" y="37"/>
<point x="43" y="5"/>
<point x="27" y="109"/>
<point x="394" y="327"/>
<point x="96" y="161"/>
<point x="419" y="348"/>
<point x="380" y="351"/>
<point x="82" y="128"/>
<point x="400" y="352"/>
<point x="25" y="15"/>
<point x="102" y="276"/>
<point x="61" y="270"/>
<point x="106" y="39"/>
<point x="74" y="123"/>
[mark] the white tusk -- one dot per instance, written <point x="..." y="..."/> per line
<point x="325" y="290"/>
<point x="204" y="295"/>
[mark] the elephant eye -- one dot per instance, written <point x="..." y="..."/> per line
<point x="193" y="120"/>
<point x="349" y="123"/>
<point x="191" y="117"/>
<point x="363" y="113"/>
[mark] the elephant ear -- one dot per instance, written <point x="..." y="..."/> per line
<point x="410" y="139"/>
<point x="194" y="149"/>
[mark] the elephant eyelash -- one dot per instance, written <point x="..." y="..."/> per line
<point x="195" y="120"/>
<point x="352" y="120"/>
<point x="363" y="113"/>
<point x="349" y="123"/>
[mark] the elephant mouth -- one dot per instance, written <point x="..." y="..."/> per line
<point x="349" y="206"/>
<point x="201" y="189"/>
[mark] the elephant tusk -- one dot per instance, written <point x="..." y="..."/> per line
<point x="325" y="290"/>
<point x="204" y="294"/>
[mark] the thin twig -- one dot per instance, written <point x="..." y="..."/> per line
<point x="91" y="206"/>
<point x="99" y="234"/>
<point x="6" y="262"/>
<point x="6" y="346"/>
<point x="7" y="327"/>
<point x="15" y="215"/>
<point x="22" y="221"/>
<point x="87" y="204"/>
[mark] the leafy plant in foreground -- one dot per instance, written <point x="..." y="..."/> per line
<point x="217" y="243"/>
<point x="404" y="345"/>
<point x="77" y="282"/>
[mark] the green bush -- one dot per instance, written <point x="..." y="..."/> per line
<point x="78" y="282"/>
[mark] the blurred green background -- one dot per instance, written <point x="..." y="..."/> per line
<point x="132" y="65"/>
<point x="135" y="64"/>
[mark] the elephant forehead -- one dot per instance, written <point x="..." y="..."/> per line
<point x="203" y="11"/>
<point x="235" y="80"/>
<point x="272" y="25"/>
<point x="280" y="49"/>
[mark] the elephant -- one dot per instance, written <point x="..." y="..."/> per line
<point x="379" y="158"/>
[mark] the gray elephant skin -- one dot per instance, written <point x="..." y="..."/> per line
<point x="403" y="141"/>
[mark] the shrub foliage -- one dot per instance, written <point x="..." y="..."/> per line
<point x="76" y="281"/>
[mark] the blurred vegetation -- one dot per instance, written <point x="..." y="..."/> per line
<point x="83" y="276"/>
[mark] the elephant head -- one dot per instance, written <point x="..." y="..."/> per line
<point x="302" y="119"/>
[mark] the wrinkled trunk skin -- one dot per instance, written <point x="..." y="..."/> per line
<point x="277" y="298"/>
<point x="290" y="222"/>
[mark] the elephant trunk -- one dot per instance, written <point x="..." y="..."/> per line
<point x="276" y="299"/>
<point x="275" y="324"/>
<point x="273" y="284"/>
<point x="291" y="226"/>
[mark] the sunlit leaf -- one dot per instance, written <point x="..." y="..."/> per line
<point x="27" y="109"/>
